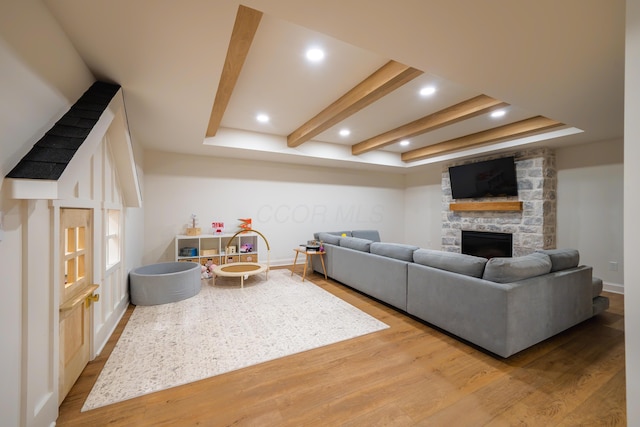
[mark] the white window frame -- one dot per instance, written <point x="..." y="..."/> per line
<point x="113" y="238"/>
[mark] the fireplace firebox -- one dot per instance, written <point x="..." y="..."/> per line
<point x="487" y="244"/>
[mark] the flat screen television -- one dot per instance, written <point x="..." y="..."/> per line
<point x="489" y="178"/>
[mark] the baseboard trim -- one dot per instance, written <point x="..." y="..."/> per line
<point x="282" y="262"/>
<point x="613" y="287"/>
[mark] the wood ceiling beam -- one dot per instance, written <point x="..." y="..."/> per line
<point x="518" y="129"/>
<point x="244" y="29"/>
<point x="465" y="110"/>
<point x="386" y="79"/>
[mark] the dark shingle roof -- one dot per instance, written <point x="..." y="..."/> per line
<point x="52" y="153"/>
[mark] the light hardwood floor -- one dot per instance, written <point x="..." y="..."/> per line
<point x="409" y="374"/>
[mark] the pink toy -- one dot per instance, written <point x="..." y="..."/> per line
<point x="207" y="270"/>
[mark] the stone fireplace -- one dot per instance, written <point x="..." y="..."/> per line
<point x="534" y="227"/>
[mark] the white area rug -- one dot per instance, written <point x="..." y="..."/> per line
<point x="222" y="329"/>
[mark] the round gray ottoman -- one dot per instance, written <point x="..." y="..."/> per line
<point x="164" y="282"/>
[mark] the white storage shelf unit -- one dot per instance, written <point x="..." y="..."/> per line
<point x="212" y="247"/>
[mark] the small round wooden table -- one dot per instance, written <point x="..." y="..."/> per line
<point x="240" y="269"/>
<point x="307" y="258"/>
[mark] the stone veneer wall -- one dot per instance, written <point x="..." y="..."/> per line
<point x="532" y="228"/>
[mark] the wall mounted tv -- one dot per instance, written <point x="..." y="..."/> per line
<point x="489" y="178"/>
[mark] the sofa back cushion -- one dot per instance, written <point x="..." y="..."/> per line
<point x="372" y="235"/>
<point x="506" y="270"/>
<point x="335" y="233"/>
<point x="468" y="265"/>
<point x="330" y="238"/>
<point x="355" y="243"/>
<point x="393" y="250"/>
<point x="561" y="259"/>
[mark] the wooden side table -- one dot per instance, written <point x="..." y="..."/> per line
<point x="307" y="258"/>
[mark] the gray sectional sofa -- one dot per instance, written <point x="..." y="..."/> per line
<point x="503" y="305"/>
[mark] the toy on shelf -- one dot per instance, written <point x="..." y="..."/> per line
<point x="218" y="227"/>
<point x="193" y="230"/>
<point x="246" y="248"/>
<point x="246" y="223"/>
<point x="207" y="270"/>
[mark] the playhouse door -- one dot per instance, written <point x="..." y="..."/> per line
<point x="76" y="295"/>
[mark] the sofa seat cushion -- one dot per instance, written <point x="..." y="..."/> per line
<point x="468" y="265"/>
<point x="561" y="259"/>
<point x="329" y="238"/>
<point x="355" y="243"/>
<point x="372" y="235"/>
<point x="393" y="250"/>
<point x="507" y="270"/>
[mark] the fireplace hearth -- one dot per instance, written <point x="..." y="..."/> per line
<point x="487" y="244"/>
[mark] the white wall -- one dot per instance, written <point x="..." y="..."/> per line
<point x="423" y="208"/>
<point x="40" y="77"/>
<point x="590" y="207"/>
<point x="287" y="203"/>
<point x="631" y="209"/>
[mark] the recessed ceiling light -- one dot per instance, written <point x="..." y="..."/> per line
<point x="345" y="132"/>
<point x="498" y="113"/>
<point x="404" y="142"/>
<point x="427" y="90"/>
<point x="315" y="54"/>
<point x="262" y="118"/>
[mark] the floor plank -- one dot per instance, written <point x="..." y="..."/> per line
<point x="408" y="374"/>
